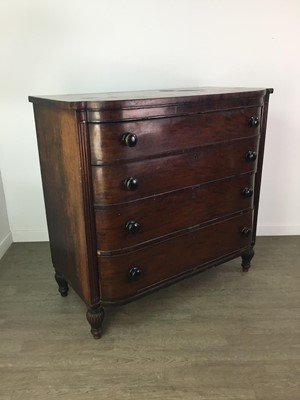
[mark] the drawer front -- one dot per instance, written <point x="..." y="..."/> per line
<point x="128" y="274"/>
<point x="131" y="181"/>
<point x="132" y="223"/>
<point x="127" y="140"/>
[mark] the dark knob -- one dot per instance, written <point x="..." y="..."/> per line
<point x="132" y="226"/>
<point x="131" y="183"/>
<point x="247" y="192"/>
<point x="251" y="156"/>
<point x="129" y="139"/>
<point x="134" y="274"/>
<point x="253" y="122"/>
<point x="246" y="231"/>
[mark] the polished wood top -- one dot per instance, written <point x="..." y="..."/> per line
<point x="144" y="97"/>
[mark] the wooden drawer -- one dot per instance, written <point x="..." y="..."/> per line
<point x="132" y="223"/>
<point x="161" y="135"/>
<point x="204" y="164"/>
<point x="171" y="257"/>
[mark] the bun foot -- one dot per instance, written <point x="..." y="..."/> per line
<point x="246" y="259"/>
<point x="63" y="287"/>
<point x="95" y="318"/>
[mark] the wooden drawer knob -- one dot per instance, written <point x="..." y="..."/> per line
<point x="247" y="192"/>
<point x="131" y="183"/>
<point x="134" y="274"/>
<point x="253" y="122"/>
<point x="245" y="232"/>
<point x="129" y="139"/>
<point x="251" y="156"/>
<point x="132" y="226"/>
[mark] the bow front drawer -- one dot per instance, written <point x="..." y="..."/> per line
<point x="125" y="182"/>
<point x="133" y="223"/>
<point x="128" y="274"/>
<point x="138" y="139"/>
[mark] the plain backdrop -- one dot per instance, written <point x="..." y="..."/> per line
<point x="57" y="47"/>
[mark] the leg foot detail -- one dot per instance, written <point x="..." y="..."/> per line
<point x="63" y="287"/>
<point x="246" y="259"/>
<point x="95" y="318"/>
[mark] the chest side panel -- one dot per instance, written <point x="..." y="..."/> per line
<point x="61" y="152"/>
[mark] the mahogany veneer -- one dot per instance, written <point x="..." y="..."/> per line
<point x="144" y="188"/>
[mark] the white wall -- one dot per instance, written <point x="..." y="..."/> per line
<point x="61" y="46"/>
<point x="5" y="233"/>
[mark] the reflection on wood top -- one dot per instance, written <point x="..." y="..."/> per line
<point x="145" y="97"/>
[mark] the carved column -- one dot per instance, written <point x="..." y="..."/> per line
<point x="95" y="318"/>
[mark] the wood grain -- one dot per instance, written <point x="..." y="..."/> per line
<point x="163" y="135"/>
<point x="186" y="208"/>
<point x="63" y="183"/>
<point x="171" y="257"/>
<point x="189" y="141"/>
<point x="202" y="164"/>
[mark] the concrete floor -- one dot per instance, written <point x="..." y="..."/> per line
<point x="221" y="335"/>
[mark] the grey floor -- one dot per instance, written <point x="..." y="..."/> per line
<point x="221" y="335"/>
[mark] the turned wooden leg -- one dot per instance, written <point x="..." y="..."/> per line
<point x="246" y="259"/>
<point x="95" y="318"/>
<point x="63" y="287"/>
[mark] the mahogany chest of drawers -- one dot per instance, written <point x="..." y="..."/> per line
<point x="145" y="188"/>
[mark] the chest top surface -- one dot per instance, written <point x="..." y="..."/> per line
<point x="146" y="98"/>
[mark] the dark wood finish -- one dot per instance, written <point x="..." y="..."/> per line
<point x="159" y="185"/>
<point x="260" y="162"/>
<point x="171" y="257"/>
<point x="171" y="109"/>
<point x="186" y="208"/>
<point x="63" y="287"/>
<point x="95" y="317"/>
<point x="148" y="98"/>
<point x="202" y="164"/>
<point x="247" y="256"/>
<point x="158" y="136"/>
<point x="112" y="107"/>
<point x="63" y="176"/>
<point x="90" y="232"/>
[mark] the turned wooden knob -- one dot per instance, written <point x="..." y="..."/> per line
<point x="132" y="226"/>
<point x="253" y="122"/>
<point x="245" y="232"/>
<point x="251" y="156"/>
<point x="247" y="192"/>
<point x="131" y="183"/>
<point x="129" y="139"/>
<point x="134" y="274"/>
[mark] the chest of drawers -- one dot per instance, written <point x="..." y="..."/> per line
<point x="145" y="188"/>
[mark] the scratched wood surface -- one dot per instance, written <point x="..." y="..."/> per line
<point x="220" y="335"/>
